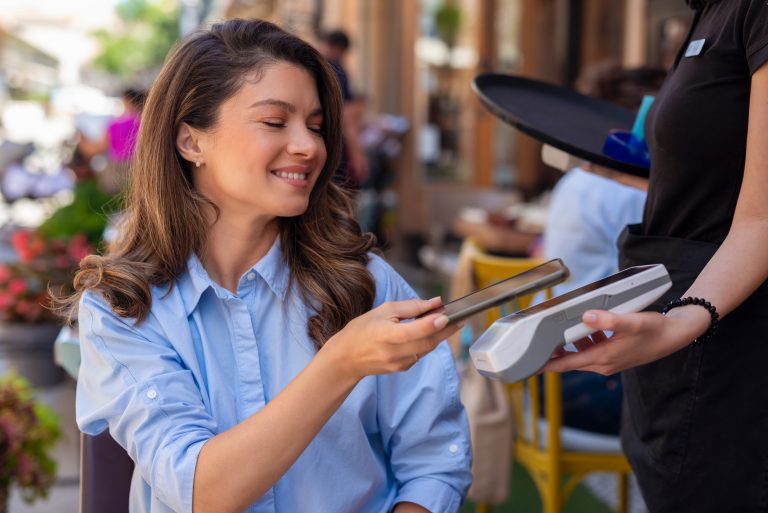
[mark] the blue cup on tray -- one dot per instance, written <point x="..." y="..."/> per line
<point x="624" y="146"/>
<point x="627" y="146"/>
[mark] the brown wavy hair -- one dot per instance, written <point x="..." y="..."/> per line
<point x="164" y="220"/>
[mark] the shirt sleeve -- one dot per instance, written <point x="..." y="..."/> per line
<point x="423" y="424"/>
<point x="133" y="382"/>
<point x="756" y="34"/>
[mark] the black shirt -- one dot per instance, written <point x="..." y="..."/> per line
<point x="697" y="127"/>
<point x="341" y="75"/>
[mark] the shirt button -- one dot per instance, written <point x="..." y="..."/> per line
<point x="453" y="448"/>
<point x="152" y="394"/>
<point x="251" y="276"/>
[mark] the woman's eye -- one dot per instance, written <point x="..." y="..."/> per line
<point x="274" y="124"/>
<point x="318" y="129"/>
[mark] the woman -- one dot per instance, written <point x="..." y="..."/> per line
<point x="228" y="341"/>
<point x="696" y="414"/>
<point x="118" y="142"/>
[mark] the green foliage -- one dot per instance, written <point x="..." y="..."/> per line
<point x="28" y="432"/>
<point x="448" y="22"/>
<point x="88" y="213"/>
<point x="147" y="31"/>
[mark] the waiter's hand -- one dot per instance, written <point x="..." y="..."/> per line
<point x="638" y="338"/>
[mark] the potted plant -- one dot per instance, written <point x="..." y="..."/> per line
<point x="28" y="328"/>
<point x="28" y="432"/>
<point x="447" y="22"/>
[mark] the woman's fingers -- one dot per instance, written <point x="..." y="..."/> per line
<point x="423" y="342"/>
<point x="570" y="361"/>
<point x="382" y="344"/>
<point x="584" y="343"/>
<point x="435" y="339"/>
<point x="412" y="349"/>
<point x="608" y="321"/>
<point x="637" y="338"/>
<point x="410" y="308"/>
<point x="586" y="348"/>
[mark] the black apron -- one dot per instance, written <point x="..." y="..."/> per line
<point x="695" y="423"/>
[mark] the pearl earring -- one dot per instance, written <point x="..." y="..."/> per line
<point x="197" y="164"/>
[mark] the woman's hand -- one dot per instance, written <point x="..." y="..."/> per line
<point x="637" y="338"/>
<point x="378" y="342"/>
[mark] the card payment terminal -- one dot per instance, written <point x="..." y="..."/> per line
<point x="518" y="345"/>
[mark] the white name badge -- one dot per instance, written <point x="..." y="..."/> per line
<point x="695" y="48"/>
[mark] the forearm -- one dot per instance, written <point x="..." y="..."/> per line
<point x="738" y="267"/>
<point x="238" y="466"/>
<point x="741" y="263"/>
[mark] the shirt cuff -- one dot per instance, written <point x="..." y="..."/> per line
<point x="177" y="484"/>
<point x="430" y="493"/>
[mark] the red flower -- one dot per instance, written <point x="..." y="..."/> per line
<point x="27" y="245"/>
<point x="24" y="307"/>
<point x="78" y="247"/>
<point x="5" y="273"/>
<point x="17" y="286"/>
<point x="41" y="263"/>
<point x="62" y="262"/>
<point x="19" y="239"/>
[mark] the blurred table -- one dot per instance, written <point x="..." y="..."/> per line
<point x="497" y="238"/>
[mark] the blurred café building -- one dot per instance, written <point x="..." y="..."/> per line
<point x="417" y="58"/>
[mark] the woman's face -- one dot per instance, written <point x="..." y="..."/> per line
<point x="266" y="151"/>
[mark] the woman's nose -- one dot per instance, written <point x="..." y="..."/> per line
<point x="305" y="142"/>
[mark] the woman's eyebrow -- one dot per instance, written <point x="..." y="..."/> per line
<point x="288" y="107"/>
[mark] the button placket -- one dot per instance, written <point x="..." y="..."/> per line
<point x="251" y="385"/>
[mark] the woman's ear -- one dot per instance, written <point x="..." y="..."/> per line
<point x="188" y="144"/>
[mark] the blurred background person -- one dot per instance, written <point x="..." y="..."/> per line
<point x="589" y="208"/>
<point x="118" y="142"/>
<point x="353" y="170"/>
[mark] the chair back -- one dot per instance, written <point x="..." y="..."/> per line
<point x="556" y="468"/>
<point x="526" y="395"/>
<point x="105" y="475"/>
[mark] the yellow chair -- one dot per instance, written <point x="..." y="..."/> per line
<point x="555" y="469"/>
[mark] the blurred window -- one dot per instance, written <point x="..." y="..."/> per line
<point x="449" y="56"/>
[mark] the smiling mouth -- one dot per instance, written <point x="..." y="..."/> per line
<point x="291" y="176"/>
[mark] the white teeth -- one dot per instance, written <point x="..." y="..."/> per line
<point x="292" y="176"/>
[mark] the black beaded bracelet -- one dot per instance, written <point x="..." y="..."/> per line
<point x="701" y="302"/>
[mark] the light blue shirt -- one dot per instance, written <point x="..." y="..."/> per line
<point x="587" y="212"/>
<point x="206" y="359"/>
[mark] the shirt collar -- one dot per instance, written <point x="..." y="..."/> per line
<point x="272" y="268"/>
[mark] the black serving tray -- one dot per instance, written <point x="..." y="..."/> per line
<point x="561" y="117"/>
